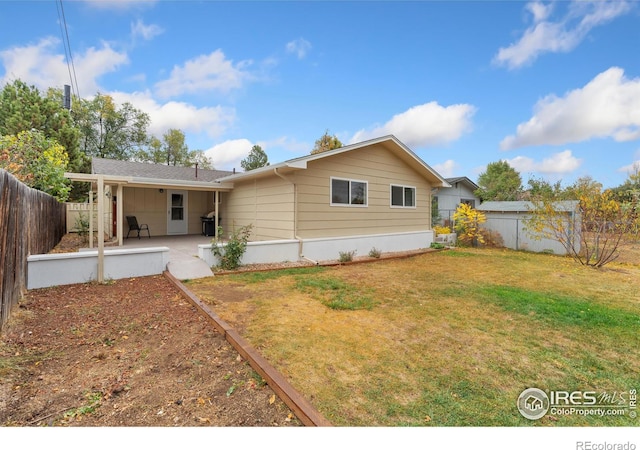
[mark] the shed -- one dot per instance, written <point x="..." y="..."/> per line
<point x="508" y="219"/>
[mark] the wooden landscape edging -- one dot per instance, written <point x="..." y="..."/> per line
<point x="303" y="410"/>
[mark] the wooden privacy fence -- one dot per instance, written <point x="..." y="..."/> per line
<point x="31" y="222"/>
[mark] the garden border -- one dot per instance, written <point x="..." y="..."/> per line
<point x="305" y="412"/>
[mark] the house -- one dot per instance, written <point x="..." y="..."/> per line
<point x="447" y="199"/>
<point x="375" y="193"/>
<point x="509" y="220"/>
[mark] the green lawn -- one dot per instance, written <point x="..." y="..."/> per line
<point x="443" y="339"/>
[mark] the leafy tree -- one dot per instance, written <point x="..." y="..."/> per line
<point x="539" y="187"/>
<point x="325" y="143"/>
<point x="257" y="158"/>
<point x="25" y="108"/>
<point x="602" y="222"/>
<point x="198" y="157"/>
<point x="37" y="161"/>
<point x="500" y="182"/>
<point x="630" y="189"/>
<point x="173" y="151"/>
<point x="467" y="224"/>
<point x="109" y="131"/>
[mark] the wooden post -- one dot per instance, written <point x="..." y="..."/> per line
<point x="90" y="215"/>
<point x="119" y="218"/>
<point x="100" y="228"/>
<point x="216" y="199"/>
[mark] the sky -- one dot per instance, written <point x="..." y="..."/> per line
<point x="552" y="87"/>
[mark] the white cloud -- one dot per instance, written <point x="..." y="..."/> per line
<point x="447" y="169"/>
<point x="539" y="10"/>
<point x="545" y="36"/>
<point x="211" y="72"/>
<point x="608" y="106"/>
<point x="299" y="46"/>
<point x="558" y="163"/>
<point x="210" y="120"/>
<point x="288" y="144"/>
<point x="424" y="125"/>
<point x="39" y="65"/>
<point x="630" y="168"/>
<point x="146" y="32"/>
<point x="228" y="154"/>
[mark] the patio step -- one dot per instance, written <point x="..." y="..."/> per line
<point x="187" y="268"/>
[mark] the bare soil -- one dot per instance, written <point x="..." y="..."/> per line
<point x="133" y="352"/>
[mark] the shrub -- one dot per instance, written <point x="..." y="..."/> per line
<point x="437" y="245"/>
<point x="82" y="224"/>
<point x="346" y="256"/>
<point x="375" y="253"/>
<point x="231" y="252"/>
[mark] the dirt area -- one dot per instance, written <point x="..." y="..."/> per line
<point x="132" y="352"/>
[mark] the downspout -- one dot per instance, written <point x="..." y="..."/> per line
<point x="295" y="217"/>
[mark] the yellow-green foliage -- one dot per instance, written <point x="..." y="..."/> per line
<point x="441" y="230"/>
<point x="467" y="224"/>
<point x="36" y="161"/>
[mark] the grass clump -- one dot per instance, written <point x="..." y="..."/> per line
<point x="335" y="293"/>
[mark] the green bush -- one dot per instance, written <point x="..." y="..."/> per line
<point x="375" y="253"/>
<point x="230" y="253"/>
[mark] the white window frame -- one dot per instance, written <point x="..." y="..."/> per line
<point x="349" y="205"/>
<point x="415" y="199"/>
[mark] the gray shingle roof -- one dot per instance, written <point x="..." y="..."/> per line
<point x="465" y="180"/>
<point x="155" y="171"/>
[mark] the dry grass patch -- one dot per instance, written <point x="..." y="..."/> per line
<point x="449" y="338"/>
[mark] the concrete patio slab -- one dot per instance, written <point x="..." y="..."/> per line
<point x="184" y="263"/>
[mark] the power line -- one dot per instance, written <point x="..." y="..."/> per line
<point x="67" y="48"/>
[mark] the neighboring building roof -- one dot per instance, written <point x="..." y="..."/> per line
<point x="464" y="180"/>
<point x="525" y="206"/>
<point x="113" y="167"/>
<point x="390" y="142"/>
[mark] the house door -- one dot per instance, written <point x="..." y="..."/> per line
<point x="177" y="212"/>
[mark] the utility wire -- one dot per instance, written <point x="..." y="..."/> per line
<point x="67" y="49"/>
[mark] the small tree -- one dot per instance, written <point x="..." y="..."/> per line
<point x="257" y="158"/>
<point x="467" y="224"/>
<point x="603" y="223"/>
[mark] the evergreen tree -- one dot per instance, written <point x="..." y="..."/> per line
<point x="257" y="158"/>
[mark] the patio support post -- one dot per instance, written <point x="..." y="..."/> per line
<point x="90" y="215"/>
<point x="119" y="214"/>
<point x="216" y="199"/>
<point x="100" y="228"/>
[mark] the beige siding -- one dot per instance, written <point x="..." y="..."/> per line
<point x="380" y="169"/>
<point x="266" y="203"/>
<point x="150" y="207"/>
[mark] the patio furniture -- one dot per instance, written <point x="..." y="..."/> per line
<point x="134" y="226"/>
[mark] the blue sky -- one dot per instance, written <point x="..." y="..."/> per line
<point x="552" y="87"/>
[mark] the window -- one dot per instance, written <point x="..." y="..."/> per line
<point x="348" y="192"/>
<point x="469" y="202"/>
<point x="403" y="196"/>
